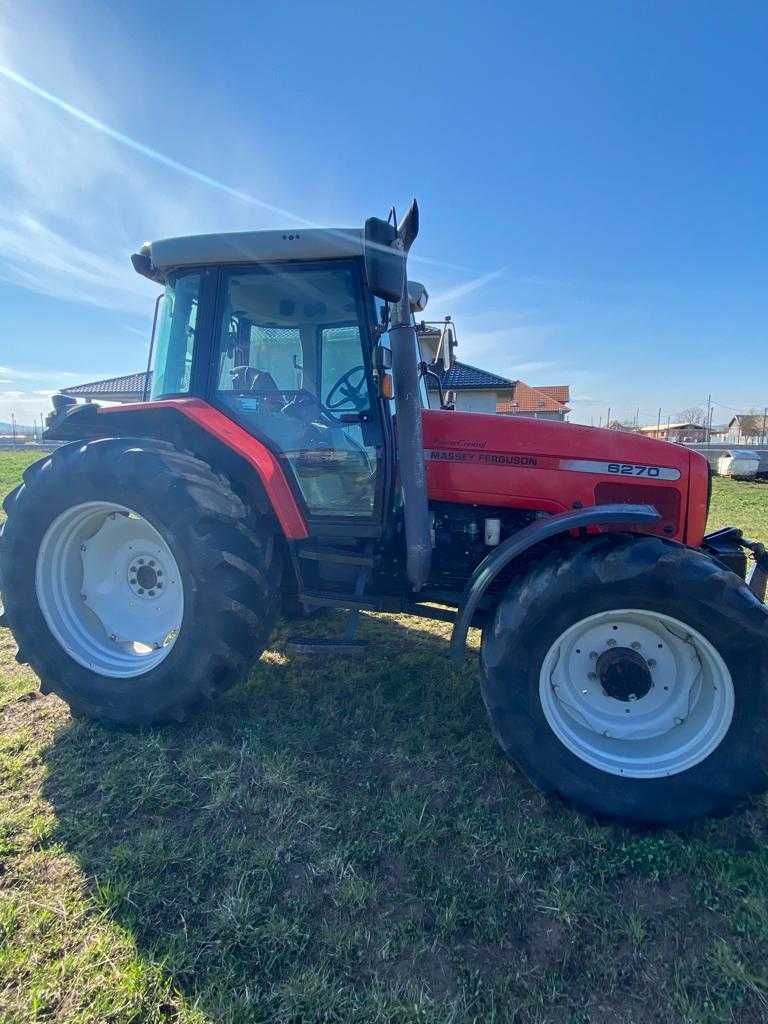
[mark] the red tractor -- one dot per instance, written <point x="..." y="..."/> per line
<point x="287" y="457"/>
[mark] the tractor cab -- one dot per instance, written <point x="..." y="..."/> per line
<point x="283" y="333"/>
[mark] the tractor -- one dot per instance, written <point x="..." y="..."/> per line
<point x="287" y="461"/>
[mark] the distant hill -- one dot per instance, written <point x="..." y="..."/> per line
<point x="21" y="428"/>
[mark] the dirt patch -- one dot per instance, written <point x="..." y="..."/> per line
<point x="31" y="709"/>
<point x="641" y="895"/>
<point x="430" y="971"/>
<point x="547" y="940"/>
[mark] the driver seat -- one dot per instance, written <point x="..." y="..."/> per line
<point x="249" y="378"/>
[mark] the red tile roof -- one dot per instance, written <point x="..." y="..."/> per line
<point x="560" y="392"/>
<point x="530" y="399"/>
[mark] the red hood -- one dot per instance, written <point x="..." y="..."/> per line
<point x="549" y="465"/>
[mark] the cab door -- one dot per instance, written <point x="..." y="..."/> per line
<point x="292" y="364"/>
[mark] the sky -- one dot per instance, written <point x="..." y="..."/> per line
<point x="592" y="177"/>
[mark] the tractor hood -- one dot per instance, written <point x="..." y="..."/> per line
<point x="552" y="466"/>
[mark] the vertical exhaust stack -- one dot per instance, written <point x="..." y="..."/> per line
<point x="386" y="256"/>
<point x="410" y="443"/>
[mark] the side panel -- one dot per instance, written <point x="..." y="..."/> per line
<point x="517" y="462"/>
<point x="216" y="424"/>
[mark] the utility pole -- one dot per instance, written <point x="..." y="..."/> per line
<point x="669" y="417"/>
<point x="658" y="423"/>
<point x="608" y="417"/>
<point x="637" y="417"/>
<point x="13" y="429"/>
<point x="708" y="425"/>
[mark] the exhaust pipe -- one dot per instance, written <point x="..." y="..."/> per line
<point x="410" y="442"/>
<point x="386" y="257"/>
<point x="410" y="445"/>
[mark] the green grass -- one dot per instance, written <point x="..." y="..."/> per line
<point x="12" y="465"/>
<point x="737" y="503"/>
<point x="340" y="841"/>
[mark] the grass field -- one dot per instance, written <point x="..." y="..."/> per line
<point x="341" y="841"/>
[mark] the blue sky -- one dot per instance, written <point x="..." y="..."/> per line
<point x="592" y="177"/>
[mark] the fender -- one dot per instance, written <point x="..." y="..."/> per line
<point x="195" y="426"/>
<point x="523" y="540"/>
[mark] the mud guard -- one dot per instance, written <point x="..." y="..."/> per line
<point x="523" y="540"/>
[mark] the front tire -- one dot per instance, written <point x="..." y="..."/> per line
<point x="629" y="675"/>
<point x="135" y="580"/>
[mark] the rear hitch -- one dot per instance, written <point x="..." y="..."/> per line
<point x="758" y="578"/>
<point x="729" y="545"/>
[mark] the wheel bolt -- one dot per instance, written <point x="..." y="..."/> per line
<point x="635" y="645"/>
<point x="84" y="597"/>
<point x="651" y="663"/>
<point x="679" y="721"/>
<point x="611" y="643"/>
<point x="593" y="655"/>
<point x="83" y="547"/>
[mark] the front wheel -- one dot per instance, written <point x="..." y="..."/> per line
<point x="136" y="582"/>
<point x="629" y="675"/>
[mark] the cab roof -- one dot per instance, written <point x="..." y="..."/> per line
<point x="156" y="259"/>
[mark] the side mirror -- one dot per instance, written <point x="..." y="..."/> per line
<point x="385" y="251"/>
<point x="446" y="345"/>
<point x="384" y="262"/>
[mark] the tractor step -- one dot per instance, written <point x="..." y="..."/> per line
<point x="336" y="555"/>
<point x="311" y="645"/>
<point x="348" y="644"/>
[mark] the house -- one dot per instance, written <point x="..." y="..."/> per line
<point x="478" y="390"/>
<point x="747" y="428"/>
<point x="682" y="433"/>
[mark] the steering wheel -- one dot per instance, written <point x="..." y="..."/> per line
<point x="349" y="393"/>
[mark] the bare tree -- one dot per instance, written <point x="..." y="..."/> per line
<point x="751" y="425"/>
<point x="694" y="414"/>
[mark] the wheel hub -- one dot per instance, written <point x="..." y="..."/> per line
<point x="624" y="674"/>
<point x="110" y="589"/>
<point x="146" y="577"/>
<point x="636" y="693"/>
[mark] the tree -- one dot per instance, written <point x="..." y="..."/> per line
<point x="695" y="414"/>
<point x="752" y="424"/>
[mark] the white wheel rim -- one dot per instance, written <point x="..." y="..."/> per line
<point x="676" y="724"/>
<point x="109" y="589"/>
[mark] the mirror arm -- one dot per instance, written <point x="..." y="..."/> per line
<point x="427" y="370"/>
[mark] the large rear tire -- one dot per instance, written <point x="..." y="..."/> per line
<point x="629" y="675"/>
<point x="135" y="581"/>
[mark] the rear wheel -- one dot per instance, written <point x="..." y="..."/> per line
<point x="629" y="675"/>
<point x="135" y="581"/>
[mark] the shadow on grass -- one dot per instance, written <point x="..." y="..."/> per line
<point x="340" y="840"/>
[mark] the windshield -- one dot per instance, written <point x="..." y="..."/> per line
<point x="175" y="335"/>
